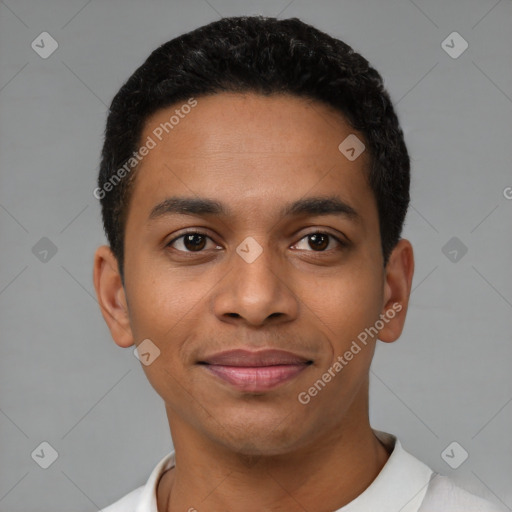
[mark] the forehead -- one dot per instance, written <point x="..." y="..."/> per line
<point x="250" y="151"/>
<point x="249" y="123"/>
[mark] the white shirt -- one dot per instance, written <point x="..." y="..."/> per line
<point x="404" y="484"/>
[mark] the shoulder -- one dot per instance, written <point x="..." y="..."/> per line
<point x="127" y="503"/>
<point x="444" y="494"/>
<point x="143" y="499"/>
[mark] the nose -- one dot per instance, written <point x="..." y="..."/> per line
<point x="256" y="292"/>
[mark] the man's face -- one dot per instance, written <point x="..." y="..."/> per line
<point x="309" y="295"/>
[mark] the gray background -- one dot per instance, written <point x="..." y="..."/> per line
<point x="62" y="378"/>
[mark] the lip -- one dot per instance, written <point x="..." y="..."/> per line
<point x="243" y="357"/>
<point x="255" y="371"/>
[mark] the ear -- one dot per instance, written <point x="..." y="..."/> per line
<point x="111" y="296"/>
<point x="397" y="288"/>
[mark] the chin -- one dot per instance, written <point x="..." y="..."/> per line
<point x="258" y="447"/>
<point x="268" y="436"/>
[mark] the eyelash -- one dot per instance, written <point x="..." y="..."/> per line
<point x="341" y="243"/>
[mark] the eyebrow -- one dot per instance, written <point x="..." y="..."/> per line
<point x="312" y="206"/>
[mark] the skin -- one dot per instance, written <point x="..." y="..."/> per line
<point x="242" y="450"/>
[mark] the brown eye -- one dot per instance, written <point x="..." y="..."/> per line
<point x="190" y="242"/>
<point x="319" y="242"/>
<point x="194" y="242"/>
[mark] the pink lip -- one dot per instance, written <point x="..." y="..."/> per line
<point x="242" y="357"/>
<point x="255" y="371"/>
<point x="256" y="379"/>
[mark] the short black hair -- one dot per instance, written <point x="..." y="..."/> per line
<point x="267" y="56"/>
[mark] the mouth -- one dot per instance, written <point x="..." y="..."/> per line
<point x="251" y="371"/>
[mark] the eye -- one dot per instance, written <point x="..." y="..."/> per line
<point x="192" y="241"/>
<point x="319" y="241"/>
<point x="196" y="241"/>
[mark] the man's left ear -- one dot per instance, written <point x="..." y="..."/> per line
<point x="397" y="288"/>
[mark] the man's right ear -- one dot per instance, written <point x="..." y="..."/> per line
<point x="111" y="296"/>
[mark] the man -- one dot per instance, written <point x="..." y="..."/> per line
<point x="254" y="182"/>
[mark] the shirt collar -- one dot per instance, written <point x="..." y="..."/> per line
<point x="400" y="486"/>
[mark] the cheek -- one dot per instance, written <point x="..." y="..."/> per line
<point x="346" y="304"/>
<point x="345" y="308"/>
<point x="164" y="304"/>
<point x="165" y="309"/>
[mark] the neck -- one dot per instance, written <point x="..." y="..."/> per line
<point x="333" y="471"/>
